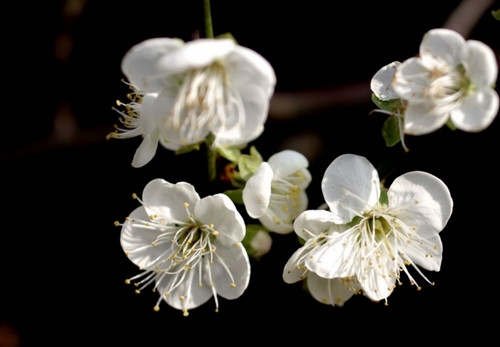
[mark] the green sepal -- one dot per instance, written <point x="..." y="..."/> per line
<point x="226" y="36"/>
<point x="384" y="198"/>
<point x="230" y="153"/>
<point x="187" y="149"/>
<point x="236" y="195"/>
<point x="387" y="105"/>
<point x="249" y="163"/>
<point x="496" y="14"/>
<point x="450" y="125"/>
<point x="390" y="131"/>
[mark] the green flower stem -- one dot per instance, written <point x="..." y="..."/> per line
<point x="211" y="157"/>
<point x="209" y="31"/>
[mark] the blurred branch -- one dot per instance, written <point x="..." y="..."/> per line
<point x="465" y="17"/>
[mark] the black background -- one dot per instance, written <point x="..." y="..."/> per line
<point x="62" y="270"/>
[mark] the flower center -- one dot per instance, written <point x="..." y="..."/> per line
<point x="205" y="103"/>
<point x="448" y="86"/>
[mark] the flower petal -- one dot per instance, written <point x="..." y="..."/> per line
<point x="230" y="270"/>
<point x="182" y="290"/>
<point x="350" y="186"/>
<point x="194" y="54"/>
<point x="286" y="163"/>
<point x="381" y="83"/>
<point x="476" y="111"/>
<point x="168" y="200"/>
<point x="311" y="223"/>
<point x="136" y="240"/>
<point x="334" y="291"/>
<point x="411" y="80"/>
<point x="427" y="254"/>
<point x="147" y="149"/>
<point x="292" y="272"/>
<point x="421" y="200"/>
<point x="220" y="211"/>
<point x="139" y="63"/>
<point x="441" y="44"/>
<point x="247" y="118"/>
<point x="257" y="191"/>
<point x="480" y="64"/>
<point x="420" y="119"/>
<point x="376" y="276"/>
<point x="248" y="68"/>
<point x="335" y="257"/>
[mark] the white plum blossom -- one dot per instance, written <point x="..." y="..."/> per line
<point x="381" y="82"/>
<point x="275" y="193"/>
<point x="451" y="79"/>
<point x="205" y="86"/>
<point x="382" y="237"/>
<point x="138" y="120"/>
<point x="190" y="248"/>
<point x="314" y="226"/>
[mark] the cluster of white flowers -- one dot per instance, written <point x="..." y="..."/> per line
<point x="216" y="93"/>
<point x="450" y="81"/>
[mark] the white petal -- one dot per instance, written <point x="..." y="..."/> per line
<point x="442" y="44"/>
<point x="337" y="257"/>
<point x="139" y="63"/>
<point x="230" y="270"/>
<point x="427" y="254"/>
<point x="167" y="200"/>
<point x="290" y="272"/>
<point x="277" y="220"/>
<point x="350" y="186"/>
<point x="381" y="83"/>
<point x="257" y="191"/>
<point x="248" y="68"/>
<point x="376" y="276"/>
<point x="195" y="54"/>
<point x="136" y="240"/>
<point x="249" y="117"/>
<point x="476" y="111"/>
<point x="147" y="117"/>
<point x="331" y="291"/>
<point x="286" y="163"/>
<point x="188" y="294"/>
<point x="220" y="211"/>
<point x="146" y="150"/>
<point x="421" y="200"/>
<point x="480" y="64"/>
<point x="411" y="80"/>
<point x="314" y="222"/>
<point x="421" y="118"/>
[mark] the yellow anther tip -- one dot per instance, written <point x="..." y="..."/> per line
<point x="156" y="308"/>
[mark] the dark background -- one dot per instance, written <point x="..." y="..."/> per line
<point x="62" y="269"/>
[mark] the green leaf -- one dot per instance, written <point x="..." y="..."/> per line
<point x="387" y="105"/>
<point x="187" y="149"/>
<point x="390" y="131"/>
<point x="236" y="195"/>
<point x="496" y="14"/>
<point x="230" y="153"/>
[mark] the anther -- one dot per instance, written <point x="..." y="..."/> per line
<point x="156" y="308"/>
